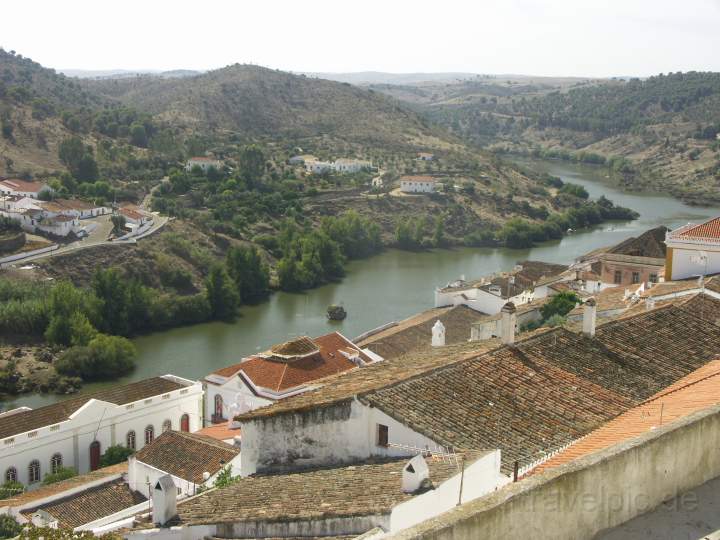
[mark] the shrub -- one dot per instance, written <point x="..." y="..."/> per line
<point x="105" y="357"/>
<point x="9" y="489"/>
<point x="63" y="473"/>
<point x="114" y="455"/>
<point x="9" y="528"/>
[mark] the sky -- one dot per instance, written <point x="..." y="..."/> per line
<point x="586" y="38"/>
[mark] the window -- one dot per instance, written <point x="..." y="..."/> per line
<point x="185" y="423"/>
<point x="382" y="435"/>
<point x="149" y="434"/>
<point x="653" y="278"/>
<point x="218" y="407"/>
<point x="636" y="277"/>
<point x="130" y="440"/>
<point x="167" y="426"/>
<point x="618" y="276"/>
<point x="11" y="475"/>
<point x="34" y="471"/>
<point x="56" y="463"/>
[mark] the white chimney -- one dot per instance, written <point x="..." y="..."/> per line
<point x="589" y="317"/>
<point x="164" y="500"/>
<point x="438" y="334"/>
<point x="649" y="303"/>
<point x="507" y="323"/>
<point x="415" y="474"/>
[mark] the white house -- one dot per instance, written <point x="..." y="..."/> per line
<point x="318" y="167"/>
<point x="283" y="371"/>
<point x="205" y="163"/>
<point x="23" y="188"/>
<point x="693" y="250"/>
<point x="59" y="217"/>
<point x="75" y="432"/>
<point x="345" y="165"/>
<point x="425" y="156"/>
<point x="194" y="462"/>
<point x="417" y="184"/>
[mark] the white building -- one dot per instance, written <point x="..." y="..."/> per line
<point x="318" y="167"/>
<point x="75" y="432"/>
<point x="205" y="163"/>
<point x="59" y="217"/>
<point x="417" y="184"/>
<point x="283" y="371"/>
<point x="344" y="165"/>
<point x="425" y="156"/>
<point x="23" y="188"/>
<point x="194" y="462"/>
<point x="693" y="250"/>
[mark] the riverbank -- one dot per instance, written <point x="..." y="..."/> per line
<point x="388" y="287"/>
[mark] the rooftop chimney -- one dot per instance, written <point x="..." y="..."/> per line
<point x="164" y="500"/>
<point x="438" y="334"/>
<point x="415" y="475"/>
<point x="507" y="323"/>
<point x="649" y="303"/>
<point x="589" y="317"/>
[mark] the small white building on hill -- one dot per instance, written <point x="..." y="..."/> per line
<point x="24" y="188"/>
<point x="693" y="250"/>
<point x="417" y="184"/>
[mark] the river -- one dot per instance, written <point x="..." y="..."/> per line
<point x="387" y="287"/>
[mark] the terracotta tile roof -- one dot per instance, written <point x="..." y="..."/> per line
<point x="57" y="412"/>
<point x="219" y="432"/>
<point x="418" y="178"/>
<point x="16" y="184"/>
<point x="187" y="455"/>
<point x="367" y="488"/>
<point x="514" y="399"/>
<point x="606" y="300"/>
<point x="406" y="338"/>
<point x="76" y="204"/>
<point x="698" y="390"/>
<point x="64" y="485"/>
<point x="671" y="287"/>
<point x="91" y="504"/>
<point x="280" y="374"/>
<point x="651" y="244"/>
<point x="709" y="229"/>
<point x="203" y="158"/>
<point x="132" y="213"/>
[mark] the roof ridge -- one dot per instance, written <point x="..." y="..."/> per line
<point x="672" y="390"/>
<point x="282" y="376"/>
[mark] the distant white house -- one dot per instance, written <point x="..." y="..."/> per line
<point x="417" y="184"/>
<point x="318" y="167"/>
<point x="23" y="188"/>
<point x="134" y="217"/>
<point x="425" y="156"/>
<point x="59" y="217"/>
<point x="344" y="165"/>
<point x="204" y="163"/>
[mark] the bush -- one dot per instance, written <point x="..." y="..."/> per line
<point x="105" y="357"/>
<point x="63" y="473"/>
<point x="9" y="528"/>
<point x="561" y="304"/>
<point x="115" y="454"/>
<point x="9" y="489"/>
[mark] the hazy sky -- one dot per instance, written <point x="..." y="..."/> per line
<point x="550" y="37"/>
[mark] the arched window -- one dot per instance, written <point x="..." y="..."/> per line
<point x="130" y="440"/>
<point x="167" y="425"/>
<point x="218" y="407"/>
<point x="149" y="434"/>
<point x="55" y="463"/>
<point x="185" y="423"/>
<point x="11" y="475"/>
<point x="34" y="471"/>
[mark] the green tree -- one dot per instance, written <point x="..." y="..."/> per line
<point x="247" y="269"/>
<point x="87" y="169"/>
<point x="118" y="221"/>
<point x="252" y="163"/>
<point x="439" y="239"/>
<point x="82" y="331"/>
<point x="9" y="528"/>
<point x="138" y="135"/>
<point x="65" y="302"/>
<point x="221" y="293"/>
<point x="105" y="357"/>
<point x="110" y="288"/>
<point x="70" y="152"/>
<point x="561" y="304"/>
<point x="115" y="454"/>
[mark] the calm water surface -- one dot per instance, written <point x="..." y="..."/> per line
<point x="387" y="287"/>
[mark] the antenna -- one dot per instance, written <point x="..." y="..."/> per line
<point x="445" y="453"/>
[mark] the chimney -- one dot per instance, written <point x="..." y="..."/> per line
<point x="415" y="475"/>
<point x="649" y="303"/>
<point x="438" y="334"/>
<point x="589" y="317"/>
<point x="164" y="500"/>
<point x="507" y="323"/>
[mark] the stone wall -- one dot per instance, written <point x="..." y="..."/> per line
<point x="599" y="491"/>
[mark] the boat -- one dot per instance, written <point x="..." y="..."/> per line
<point x="336" y="312"/>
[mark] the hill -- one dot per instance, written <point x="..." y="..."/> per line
<point x="656" y="133"/>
